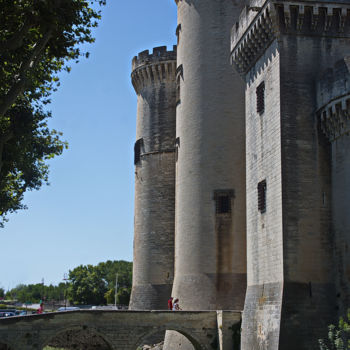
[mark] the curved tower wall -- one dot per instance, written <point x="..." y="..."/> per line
<point x="333" y="98"/>
<point x="153" y="78"/>
<point x="210" y="241"/>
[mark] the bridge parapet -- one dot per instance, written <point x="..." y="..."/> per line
<point x="122" y="330"/>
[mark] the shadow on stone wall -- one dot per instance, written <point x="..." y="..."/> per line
<point x="77" y="339"/>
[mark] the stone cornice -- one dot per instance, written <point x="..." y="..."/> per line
<point x="152" y="74"/>
<point x="335" y="118"/>
<point x="259" y="26"/>
<point x="153" y="68"/>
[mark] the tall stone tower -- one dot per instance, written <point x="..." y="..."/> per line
<point x="281" y="49"/>
<point x="210" y="240"/>
<point x="153" y="78"/>
<point x="333" y="114"/>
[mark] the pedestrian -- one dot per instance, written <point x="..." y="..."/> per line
<point x="176" y="306"/>
<point x="41" y="308"/>
<point x="170" y="303"/>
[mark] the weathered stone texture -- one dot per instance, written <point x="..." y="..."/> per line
<point x="264" y="230"/>
<point x="210" y="270"/>
<point x="333" y="104"/>
<point x="153" y="77"/>
<point x="119" y="330"/>
<point x="288" y="45"/>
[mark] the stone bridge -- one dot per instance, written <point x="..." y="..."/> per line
<point x="122" y="330"/>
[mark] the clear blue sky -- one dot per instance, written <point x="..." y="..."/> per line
<point x="86" y="214"/>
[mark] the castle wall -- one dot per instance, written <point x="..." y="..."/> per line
<point x="309" y="289"/>
<point x="262" y="309"/>
<point x="210" y="261"/>
<point x="333" y="101"/>
<point x="153" y="271"/>
<point x="308" y="40"/>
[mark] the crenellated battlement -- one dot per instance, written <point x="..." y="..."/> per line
<point x="158" y="55"/>
<point x="258" y="26"/>
<point x="333" y="100"/>
<point x="335" y="118"/>
<point x="155" y="67"/>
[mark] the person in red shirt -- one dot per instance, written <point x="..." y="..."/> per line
<point x="41" y="308"/>
<point x="170" y="303"/>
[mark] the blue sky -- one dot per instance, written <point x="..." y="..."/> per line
<point x="86" y="214"/>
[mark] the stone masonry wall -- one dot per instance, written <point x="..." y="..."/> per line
<point x="333" y="112"/>
<point x="262" y="310"/>
<point x="153" y="77"/>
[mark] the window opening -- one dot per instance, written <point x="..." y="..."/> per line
<point x="137" y="151"/>
<point x="223" y="201"/>
<point x="179" y="74"/>
<point x="177" y="145"/>
<point x="262" y="196"/>
<point x="260" y="98"/>
<point x="178" y="30"/>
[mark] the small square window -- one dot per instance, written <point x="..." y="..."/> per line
<point x="260" y="98"/>
<point x="262" y="196"/>
<point x="223" y="205"/>
<point x="223" y="201"/>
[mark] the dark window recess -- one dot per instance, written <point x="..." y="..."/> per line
<point x="223" y="199"/>
<point x="137" y="151"/>
<point x="177" y="146"/>
<point x="179" y="75"/>
<point x="262" y="196"/>
<point x="178" y="99"/>
<point x="260" y="98"/>
<point x="178" y="30"/>
<point x="223" y="205"/>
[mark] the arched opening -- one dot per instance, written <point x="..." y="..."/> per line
<point x="5" y="347"/>
<point x="82" y="338"/>
<point x="174" y="339"/>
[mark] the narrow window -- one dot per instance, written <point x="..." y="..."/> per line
<point x="262" y="196"/>
<point x="178" y="30"/>
<point x="137" y="151"/>
<point x="260" y="98"/>
<point x="178" y="100"/>
<point x="223" y="201"/>
<point x="179" y="74"/>
<point x="177" y="145"/>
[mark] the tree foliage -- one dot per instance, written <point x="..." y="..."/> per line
<point x="33" y="293"/>
<point x="38" y="39"/>
<point x="338" y="336"/>
<point x="87" y="284"/>
<point x="95" y="284"/>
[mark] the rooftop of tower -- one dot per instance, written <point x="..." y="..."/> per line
<point x="159" y="54"/>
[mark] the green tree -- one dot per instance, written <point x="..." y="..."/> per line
<point x="2" y="292"/>
<point x="96" y="284"/>
<point x="124" y="271"/>
<point x="38" y="39"/>
<point x="24" y="155"/>
<point x="87" y="285"/>
<point x="338" y="336"/>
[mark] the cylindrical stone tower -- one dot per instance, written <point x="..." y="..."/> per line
<point x="210" y="239"/>
<point x="153" y="78"/>
<point x="333" y="99"/>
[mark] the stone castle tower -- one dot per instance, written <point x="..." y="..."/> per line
<point x="210" y="225"/>
<point x="153" y="78"/>
<point x="262" y="166"/>
<point x="292" y="56"/>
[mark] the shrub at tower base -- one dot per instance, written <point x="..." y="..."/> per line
<point x="338" y="336"/>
